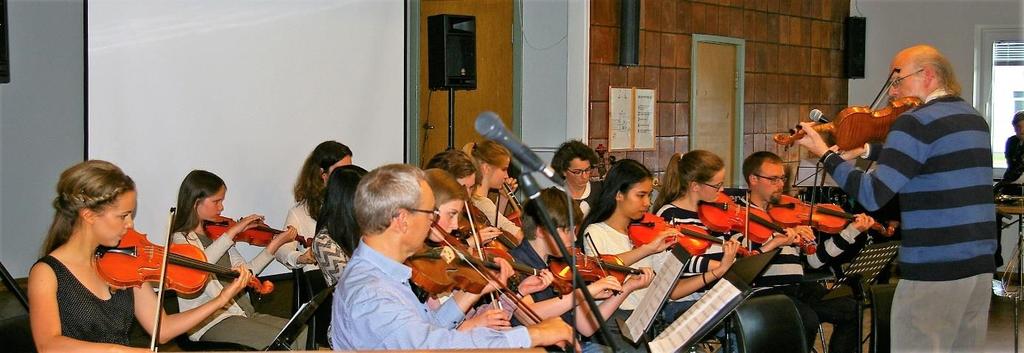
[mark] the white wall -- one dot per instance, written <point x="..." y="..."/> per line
<point x="41" y="121"/>
<point x="554" y="73"/>
<point x="242" y="89"/>
<point x="949" y="25"/>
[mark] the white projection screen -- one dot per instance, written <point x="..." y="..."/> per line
<point x="244" y="89"/>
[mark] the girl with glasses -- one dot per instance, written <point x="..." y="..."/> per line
<point x="575" y="162"/>
<point x="691" y="178"/>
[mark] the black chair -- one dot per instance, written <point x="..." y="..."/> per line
<point x="171" y="306"/>
<point x="881" y="308"/>
<point x="770" y="324"/>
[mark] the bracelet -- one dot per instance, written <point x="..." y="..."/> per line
<point x="825" y="156"/>
<point x="703" y="279"/>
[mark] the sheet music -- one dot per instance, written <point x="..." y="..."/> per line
<point x="620" y="118"/>
<point x="687" y="325"/>
<point x="657" y="292"/>
<point x="644" y="131"/>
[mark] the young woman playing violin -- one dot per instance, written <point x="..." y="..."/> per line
<point x="492" y="160"/>
<point x="689" y="179"/>
<point x="450" y="198"/>
<point x="72" y="309"/>
<point x="309" y="198"/>
<point x="540" y="245"/>
<point x="462" y="168"/>
<point x="201" y="198"/>
<point x="764" y="173"/>
<point x="337" y="233"/>
<point x="626" y="197"/>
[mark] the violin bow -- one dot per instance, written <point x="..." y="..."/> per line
<point x="479" y="241"/>
<point x="512" y="295"/>
<point x="163" y="283"/>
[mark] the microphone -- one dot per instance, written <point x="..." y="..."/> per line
<point x="817" y="116"/>
<point x="490" y="126"/>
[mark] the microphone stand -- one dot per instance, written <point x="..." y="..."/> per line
<point x="531" y="190"/>
<point x="160" y="288"/>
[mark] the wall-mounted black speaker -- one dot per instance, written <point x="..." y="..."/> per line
<point x="5" y="57"/>
<point x="854" y="44"/>
<point x="451" y="52"/>
<point x="629" y="33"/>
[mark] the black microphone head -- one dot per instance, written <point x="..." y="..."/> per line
<point x="816" y="116"/>
<point x="489" y="125"/>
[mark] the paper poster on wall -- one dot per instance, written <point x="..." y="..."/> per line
<point x="631" y="118"/>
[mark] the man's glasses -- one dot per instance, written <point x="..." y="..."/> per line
<point x="434" y="214"/>
<point x="776" y="180"/>
<point x="896" y="82"/>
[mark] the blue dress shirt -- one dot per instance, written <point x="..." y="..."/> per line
<point x="374" y="308"/>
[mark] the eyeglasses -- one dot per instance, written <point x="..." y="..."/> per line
<point x="896" y="82"/>
<point x="718" y="186"/>
<point x="776" y="180"/>
<point x="434" y="214"/>
<point x="580" y="171"/>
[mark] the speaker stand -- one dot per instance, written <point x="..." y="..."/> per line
<point x="451" y="118"/>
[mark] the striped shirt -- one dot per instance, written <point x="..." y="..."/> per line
<point x="938" y="158"/>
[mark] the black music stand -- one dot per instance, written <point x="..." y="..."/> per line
<point x="864" y="270"/>
<point x="290" y="332"/>
<point x="12" y="286"/>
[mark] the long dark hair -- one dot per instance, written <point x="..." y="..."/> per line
<point x="624" y="174"/>
<point x="309" y="187"/>
<point x="337" y="214"/>
<point x="198" y="185"/>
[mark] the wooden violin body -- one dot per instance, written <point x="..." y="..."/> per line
<point x="260" y="235"/>
<point x="136" y="260"/>
<point x="694" y="239"/>
<point x="829" y="218"/>
<point x="855" y="125"/>
<point x="723" y="215"/>
<point x="592" y="268"/>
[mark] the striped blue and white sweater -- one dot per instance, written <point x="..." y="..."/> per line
<point x="939" y="160"/>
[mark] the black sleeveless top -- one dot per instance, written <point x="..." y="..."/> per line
<point x="84" y="316"/>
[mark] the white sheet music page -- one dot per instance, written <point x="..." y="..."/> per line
<point x="681" y="330"/>
<point x="664" y="281"/>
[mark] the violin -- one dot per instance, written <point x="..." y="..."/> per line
<point x="476" y="219"/>
<point x="829" y="218"/>
<point x="694" y="239"/>
<point x="592" y="268"/>
<point x="724" y="215"/>
<point x="856" y="125"/>
<point x="517" y="208"/>
<point x="136" y="260"/>
<point x="442" y="268"/>
<point x="260" y="235"/>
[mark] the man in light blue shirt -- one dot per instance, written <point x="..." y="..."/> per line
<point x="374" y="307"/>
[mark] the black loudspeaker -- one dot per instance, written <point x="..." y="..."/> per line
<point x="5" y="58"/>
<point x="629" y="33"/>
<point x="854" y="41"/>
<point x="451" y="52"/>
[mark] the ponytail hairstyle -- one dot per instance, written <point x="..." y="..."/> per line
<point x="198" y="185"/>
<point x="489" y="152"/>
<point x="338" y="214"/>
<point x="624" y="174"/>
<point x="309" y="187"/>
<point x="92" y="185"/>
<point x="694" y="166"/>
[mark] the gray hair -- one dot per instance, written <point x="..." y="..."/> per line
<point x="383" y="192"/>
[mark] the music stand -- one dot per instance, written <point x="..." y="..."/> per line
<point x="291" y="330"/>
<point x="1016" y="207"/>
<point x="864" y="269"/>
<point x="12" y="286"/>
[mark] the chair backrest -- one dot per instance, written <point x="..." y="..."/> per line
<point x="770" y="324"/>
<point x="881" y="308"/>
